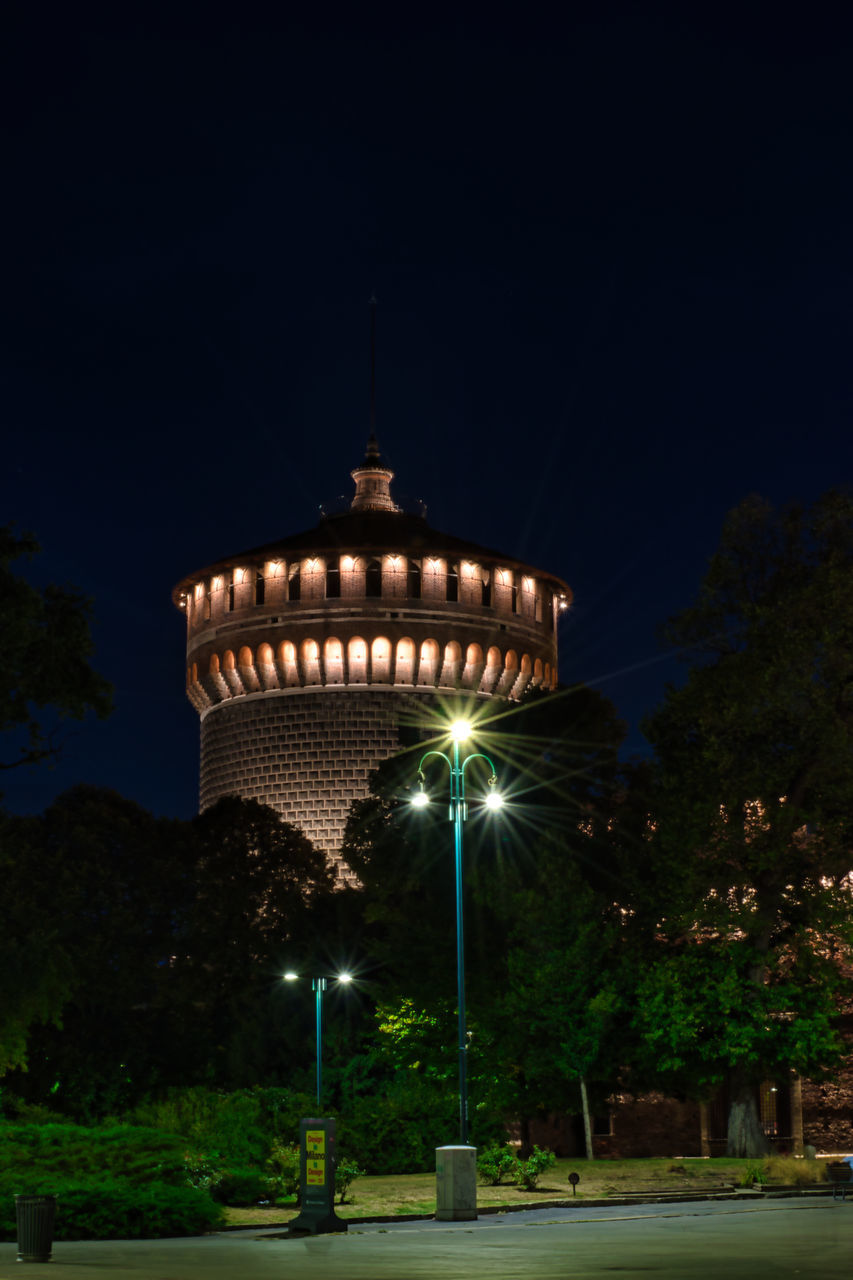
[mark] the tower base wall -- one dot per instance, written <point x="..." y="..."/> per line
<point x="306" y="754"/>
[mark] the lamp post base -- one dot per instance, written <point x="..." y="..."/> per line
<point x="455" y="1184"/>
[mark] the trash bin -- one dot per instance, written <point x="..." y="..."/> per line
<point x="35" y="1217"/>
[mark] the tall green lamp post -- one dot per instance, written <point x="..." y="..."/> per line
<point x="460" y="731"/>
<point x="318" y="986"/>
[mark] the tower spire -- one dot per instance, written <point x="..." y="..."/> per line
<point x="373" y="478"/>
<point x="372" y="442"/>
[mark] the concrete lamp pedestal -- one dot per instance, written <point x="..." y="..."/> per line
<point x="455" y="1184"/>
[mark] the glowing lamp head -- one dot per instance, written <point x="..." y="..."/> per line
<point x="460" y="730"/>
<point x="420" y="800"/>
<point x="344" y="977"/>
<point x="290" y="976"/>
<point x="494" y="800"/>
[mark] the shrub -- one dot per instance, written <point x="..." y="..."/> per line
<point x="398" y="1132"/>
<point x="121" y="1151"/>
<point x="201" y="1170"/>
<point x="240" y="1187"/>
<point x="528" y="1172"/>
<point x="496" y="1163"/>
<point x="239" y="1127"/>
<point x="752" y="1173"/>
<point x="112" y="1210"/>
<point x="110" y="1183"/>
<point x="346" y="1172"/>
<point x="283" y="1166"/>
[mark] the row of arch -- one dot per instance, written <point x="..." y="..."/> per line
<point x="358" y="661"/>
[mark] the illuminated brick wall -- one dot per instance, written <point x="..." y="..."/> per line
<point x="308" y="755"/>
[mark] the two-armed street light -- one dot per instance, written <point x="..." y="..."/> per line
<point x="460" y="731"/>
<point x="318" y="985"/>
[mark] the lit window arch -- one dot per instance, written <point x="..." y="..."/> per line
<point x="404" y="669"/>
<point x="357" y="660"/>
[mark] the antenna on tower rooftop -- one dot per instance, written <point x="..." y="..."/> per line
<point x="372" y="444"/>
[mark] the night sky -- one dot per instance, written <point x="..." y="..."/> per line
<point x="613" y="252"/>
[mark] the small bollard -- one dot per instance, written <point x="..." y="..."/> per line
<point x="574" y="1179"/>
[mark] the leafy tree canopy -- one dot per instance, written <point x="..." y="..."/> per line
<point x="46" y="644"/>
<point x="751" y="853"/>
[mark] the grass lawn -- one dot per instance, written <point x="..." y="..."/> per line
<point x="415" y="1192"/>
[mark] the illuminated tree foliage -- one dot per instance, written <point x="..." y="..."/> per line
<point x="750" y="859"/>
<point x="543" y="958"/>
<point x="46" y="644"/>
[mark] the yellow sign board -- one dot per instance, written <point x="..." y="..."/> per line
<point x="315" y="1157"/>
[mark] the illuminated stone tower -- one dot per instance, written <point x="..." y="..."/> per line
<point x="301" y="655"/>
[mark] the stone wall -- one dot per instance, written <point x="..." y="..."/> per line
<point x="646" y="1125"/>
<point x="828" y="1110"/>
<point x="307" y="754"/>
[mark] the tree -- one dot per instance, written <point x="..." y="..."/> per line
<point x="101" y="889"/>
<point x="34" y="977"/>
<point x="541" y="883"/>
<point x="751" y="852"/>
<point x="46" y="644"/>
<point x="160" y="944"/>
<point x="261" y="896"/>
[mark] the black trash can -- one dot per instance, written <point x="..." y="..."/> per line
<point x="35" y="1216"/>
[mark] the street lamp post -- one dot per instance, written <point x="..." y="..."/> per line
<point x="318" y="986"/>
<point x="460" y="731"/>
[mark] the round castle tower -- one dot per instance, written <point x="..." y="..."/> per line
<point x="302" y="655"/>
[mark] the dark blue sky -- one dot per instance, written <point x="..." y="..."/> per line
<point x="613" y="256"/>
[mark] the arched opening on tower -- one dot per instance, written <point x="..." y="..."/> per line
<point x="294" y="582"/>
<point x="510" y="673"/>
<point x="380" y="661"/>
<point x="373" y="580"/>
<point x="404" y="671"/>
<point x="494" y="666"/>
<point x="357" y="660"/>
<point x="473" y="666"/>
<point x="451" y="668"/>
<point x="428" y="666"/>
<point x="287" y="663"/>
<point x="246" y="666"/>
<point x="333" y="661"/>
<point x="413" y="590"/>
<point x="266" y="667"/>
<point x="311" y="662"/>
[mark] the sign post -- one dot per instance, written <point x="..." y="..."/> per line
<point x="317" y="1179"/>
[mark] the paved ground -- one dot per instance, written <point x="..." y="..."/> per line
<point x="726" y="1239"/>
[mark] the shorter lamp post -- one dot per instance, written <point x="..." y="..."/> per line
<point x="318" y="986"/>
<point x="460" y="731"/>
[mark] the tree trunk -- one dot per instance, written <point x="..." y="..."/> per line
<point x="587" y="1127"/>
<point x="745" y="1134"/>
<point x="526" y="1148"/>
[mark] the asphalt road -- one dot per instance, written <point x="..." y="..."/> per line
<point x="727" y="1240"/>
